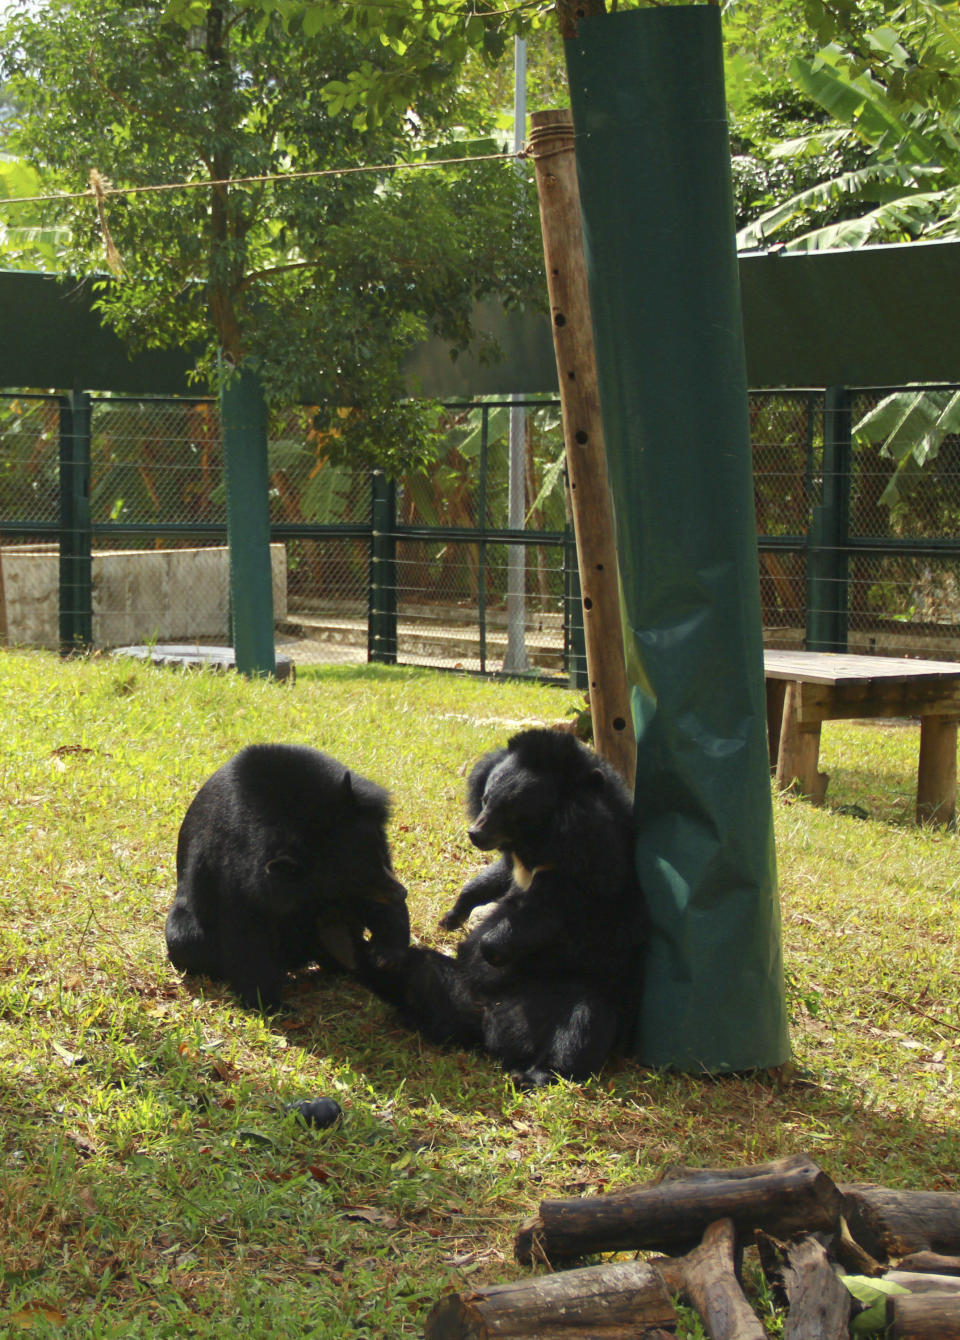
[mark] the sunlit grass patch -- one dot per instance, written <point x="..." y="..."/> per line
<point x="152" y="1181"/>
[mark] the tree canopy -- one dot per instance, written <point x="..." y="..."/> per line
<point x="886" y="78"/>
<point x="320" y="281"/>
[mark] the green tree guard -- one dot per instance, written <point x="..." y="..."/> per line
<point x="654" y="169"/>
<point x="243" y="413"/>
<point x="76" y="551"/>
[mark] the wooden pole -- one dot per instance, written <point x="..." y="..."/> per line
<point x="551" y="139"/>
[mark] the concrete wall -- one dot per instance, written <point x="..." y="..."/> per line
<point x="139" y="595"/>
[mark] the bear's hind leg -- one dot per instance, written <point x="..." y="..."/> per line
<point x="188" y="944"/>
<point x="550" y="1030"/>
<point x="430" y="991"/>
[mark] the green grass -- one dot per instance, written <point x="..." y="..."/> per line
<point x="151" y="1183"/>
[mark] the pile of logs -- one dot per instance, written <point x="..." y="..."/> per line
<point x="809" y="1231"/>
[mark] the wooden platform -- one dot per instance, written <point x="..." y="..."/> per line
<point x="806" y="688"/>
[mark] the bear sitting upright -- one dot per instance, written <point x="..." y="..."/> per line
<point x="548" y="982"/>
<point x="282" y="860"/>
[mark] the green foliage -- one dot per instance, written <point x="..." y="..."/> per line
<point x="428" y="41"/>
<point x="321" y="282"/>
<point x="767" y="110"/>
<point x="887" y="81"/>
<point x="27" y="241"/>
<point x="873" y="1294"/>
<point x="910" y="427"/>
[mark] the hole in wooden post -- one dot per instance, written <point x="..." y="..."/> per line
<point x="587" y="603"/>
<point x="581" y="437"/>
<point x="559" y="319"/>
<point x="618" y="723"/>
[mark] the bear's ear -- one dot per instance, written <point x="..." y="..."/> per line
<point x="346" y="786"/>
<point x="595" y="779"/>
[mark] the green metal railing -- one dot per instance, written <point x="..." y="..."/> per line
<point x="406" y="559"/>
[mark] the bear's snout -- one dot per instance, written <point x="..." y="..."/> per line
<point x="481" y="836"/>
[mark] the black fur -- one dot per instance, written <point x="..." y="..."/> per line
<point x="548" y="982"/>
<point x="282" y="860"/>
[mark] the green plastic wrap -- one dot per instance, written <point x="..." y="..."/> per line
<point x="654" y="170"/>
<point x="243" y="413"/>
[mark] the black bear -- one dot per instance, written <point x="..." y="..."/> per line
<point x="548" y="982"/>
<point x="282" y="860"/>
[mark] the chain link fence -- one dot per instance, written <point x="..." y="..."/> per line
<point x="113" y="529"/>
<point x="138" y="485"/>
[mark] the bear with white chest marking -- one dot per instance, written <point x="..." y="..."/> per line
<point x="548" y="982"/>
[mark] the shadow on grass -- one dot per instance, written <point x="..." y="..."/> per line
<point x="436" y="1163"/>
<point x="660" y="1117"/>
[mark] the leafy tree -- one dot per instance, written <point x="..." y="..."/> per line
<point x="888" y="83"/>
<point x="322" y="282"/>
<point x="766" y="110"/>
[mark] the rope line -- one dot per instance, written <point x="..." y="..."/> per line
<point x="105" y="191"/>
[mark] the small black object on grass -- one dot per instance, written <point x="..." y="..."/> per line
<point x="318" y="1112"/>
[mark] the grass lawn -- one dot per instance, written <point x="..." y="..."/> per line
<point x="151" y="1183"/>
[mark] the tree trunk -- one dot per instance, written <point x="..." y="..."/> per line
<point x="818" y="1305"/>
<point x="891" y="1223"/>
<point x="570" y="12"/>
<point x="611" y="1302"/>
<point x="790" y="1196"/>
<point x="226" y="265"/>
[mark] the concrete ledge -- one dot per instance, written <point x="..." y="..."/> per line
<point x="139" y="595"/>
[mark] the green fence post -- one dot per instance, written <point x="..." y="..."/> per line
<point x="76" y="557"/>
<point x="243" y="414"/>
<point x="382" y="598"/>
<point x="827" y="562"/>
<point x="654" y="169"/>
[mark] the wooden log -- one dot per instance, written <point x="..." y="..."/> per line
<point x="789" y="1197"/>
<point x="923" y="1316"/>
<point x="933" y="1262"/>
<point x="919" y="1281"/>
<point x="892" y="1223"/>
<point x="848" y="1253"/>
<point x="712" y="1286"/>
<point x="684" y="1172"/>
<point x="818" y="1306"/>
<point x="551" y="139"/>
<point x="618" y="1301"/>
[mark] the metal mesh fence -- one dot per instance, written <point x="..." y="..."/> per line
<point x="857" y="500"/>
<point x="786" y="434"/>
<point x="29" y="461"/>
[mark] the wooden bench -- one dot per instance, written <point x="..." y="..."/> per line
<point x="806" y="688"/>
